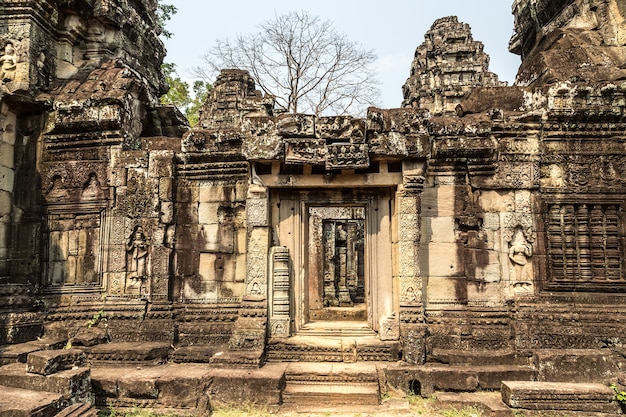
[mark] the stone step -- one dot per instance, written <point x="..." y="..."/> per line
<point x="47" y="362"/>
<point x="17" y="402"/>
<point x="128" y="353"/>
<point x="331" y="384"/>
<point x="331" y="394"/>
<point x="331" y="373"/>
<point x="74" y="385"/>
<point x="238" y="359"/>
<point x="332" y="349"/>
<point x="567" y="396"/>
<point x="186" y="386"/>
<point x="195" y="353"/>
<point x="19" y="352"/>
<point x="79" y="410"/>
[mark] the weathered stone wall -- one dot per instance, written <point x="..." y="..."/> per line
<point x="475" y="217"/>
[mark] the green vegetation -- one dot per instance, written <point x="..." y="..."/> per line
<point x="620" y="396"/>
<point x="164" y="13"/>
<point x="96" y="319"/>
<point x="180" y="94"/>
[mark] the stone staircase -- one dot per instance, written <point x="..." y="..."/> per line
<point x="331" y="384"/>
<point x="573" y="381"/>
<point x="449" y="370"/>
<point x="44" y="386"/>
<point x="568" y="380"/>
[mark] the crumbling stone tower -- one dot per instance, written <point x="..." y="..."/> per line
<point x="448" y="65"/>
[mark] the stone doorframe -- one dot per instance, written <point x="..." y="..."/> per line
<point x="290" y="228"/>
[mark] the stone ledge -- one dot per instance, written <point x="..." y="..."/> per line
<point x="594" y="398"/>
<point x="124" y="353"/>
<point x="19" y="352"/>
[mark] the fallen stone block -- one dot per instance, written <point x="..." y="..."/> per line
<point x="591" y="398"/>
<point x="47" y="362"/>
<point x="19" y="352"/>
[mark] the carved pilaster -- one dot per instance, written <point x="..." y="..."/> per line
<point x="258" y="241"/>
<point x="409" y="206"/>
<point x="280" y="319"/>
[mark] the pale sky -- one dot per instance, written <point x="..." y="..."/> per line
<point x="392" y="28"/>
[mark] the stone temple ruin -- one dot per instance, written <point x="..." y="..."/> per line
<point x="471" y="240"/>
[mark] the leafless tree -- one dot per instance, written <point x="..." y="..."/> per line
<point x="303" y="62"/>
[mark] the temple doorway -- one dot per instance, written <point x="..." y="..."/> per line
<point x="336" y="264"/>
<point x="341" y="258"/>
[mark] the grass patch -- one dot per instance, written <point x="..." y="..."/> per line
<point x="462" y="412"/>
<point x="243" y="410"/>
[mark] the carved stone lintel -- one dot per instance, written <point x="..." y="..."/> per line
<point x="305" y="151"/>
<point x="347" y="156"/>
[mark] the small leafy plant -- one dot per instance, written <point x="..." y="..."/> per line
<point x="620" y="396"/>
<point x="97" y="318"/>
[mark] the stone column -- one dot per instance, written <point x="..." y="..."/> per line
<point x="409" y="232"/>
<point x="280" y="319"/>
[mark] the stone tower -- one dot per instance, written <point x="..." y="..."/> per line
<point x="446" y="67"/>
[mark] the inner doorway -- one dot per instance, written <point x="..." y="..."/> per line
<point x="337" y="287"/>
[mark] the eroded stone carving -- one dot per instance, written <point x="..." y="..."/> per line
<point x="305" y="151"/>
<point x="347" y="156"/>
<point x="8" y="63"/>
<point x="520" y="254"/>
